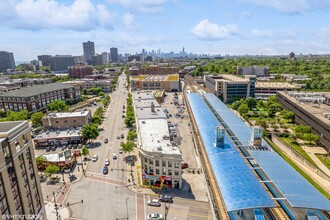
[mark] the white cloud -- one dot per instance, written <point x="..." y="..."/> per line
<point x="44" y="14"/>
<point x="285" y="6"/>
<point x="206" y="30"/>
<point x="128" y="21"/>
<point x="145" y="6"/>
<point x="262" y="33"/>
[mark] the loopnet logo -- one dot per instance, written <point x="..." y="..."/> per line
<point x="6" y="216"/>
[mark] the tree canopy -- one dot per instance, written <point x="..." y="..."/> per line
<point x="128" y="147"/>
<point x="58" y="105"/>
<point x="36" y="119"/>
<point x="52" y="169"/>
<point x="90" y="131"/>
<point x="17" y="116"/>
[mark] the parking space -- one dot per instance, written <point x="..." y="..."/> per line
<point x="180" y="209"/>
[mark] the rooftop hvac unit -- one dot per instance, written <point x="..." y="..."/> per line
<point x="159" y="148"/>
<point x="326" y="115"/>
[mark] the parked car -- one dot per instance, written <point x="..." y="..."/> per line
<point x="106" y="140"/>
<point x="114" y="156"/>
<point x="47" y="149"/>
<point x="53" y="148"/>
<point x="79" y="146"/>
<point x="69" y="146"/>
<point x="166" y="198"/>
<point x="63" y="147"/>
<point x="122" y="136"/>
<point x="184" y="165"/>
<point x="107" y="162"/>
<point x="105" y="170"/>
<point x="75" y="146"/>
<point x="154" y="202"/>
<point x="95" y="157"/>
<point x="121" y="151"/>
<point x="118" y="137"/>
<point x="155" y="216"/>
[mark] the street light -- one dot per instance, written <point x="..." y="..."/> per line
<point x="127" y="207"/>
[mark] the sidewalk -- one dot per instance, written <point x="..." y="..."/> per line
<point x="63" y="212"/>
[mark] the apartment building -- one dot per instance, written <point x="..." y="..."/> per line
<point x="20" y="191"/>
<point x="169" y="83"/>
<point x="310" y="109"/>
<point x="104" y="84"/>
<point x="60" y="63"/>
<point x="7" y="61"/>
<point x="45" y="59"/>
<point x="159" y="70"/>
<point x="62" y="120"/>
<point x="36" y="98"/>
<point x="114" y="54"/>
<point x="89" y="51"/>
<point x="80" y="71"/>
<point x="160" y="160"/>
<point x="229" y="87"/>
<point x="266" y="89"/>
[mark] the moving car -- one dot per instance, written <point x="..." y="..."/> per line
<point x="105" y="170"/>
<point x="184" y="165"/>
<point x="118" y="137"/>
<point x="106" y="140"/>
<point x="155" y="216"/>
<point x="95" y="157"/>
<point x="121" y="151"/>
<point x="154" y="202"/>
<point x="122" y="135"/>
<point x="114" y="156"/>
<point x="166" y="198"/>
<point x="107" y="162"/>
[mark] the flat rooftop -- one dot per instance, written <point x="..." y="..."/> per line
<point x="67" y="114"/>
<point x="145" y="103"/>
<point x="152" y="139"/>
<point x="228" y="78"/>
<point x="60" y="134"/>
<point x="36" y="90"/>
<point x="57" y="157"/>
<point x="277" y="85"/>
<point x="5" y="127"/>
<point x="142" y="96"/>
<point x="316" y="109"/>
<point x="169" y="77"/>
<point x="145" y="113"/>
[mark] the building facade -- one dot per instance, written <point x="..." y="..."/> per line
<point x="62" y="120"/>
<point x="89" y="51"/>
<point x="60" y="63"/>
<point x="80" y="71"/>
<point x="7" y="61"/>
<point x="45" y="59"/>
<point x="259" y="71"/>
<point x="104" y="84"/>
<point x="160" y="70"/>
<point x="309" y="109"/>
<point x="266" y="89"/>
<point x="114" y="54"/>
<point x="229" y="87"/>
<point x="36" y="98"/>
<point x="170" y="83"/>
<point x="20" y="191"/>
<point x="160" y="160"/>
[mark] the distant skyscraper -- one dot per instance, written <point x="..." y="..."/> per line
<point x="143" y="55"/>
<point x="114" y="54"/>
<point x="6" y="60"/>
<point x="61" y="62"/>
<point x="45" y="59"/>
<point x="89" y="51"/>
<point x="105" y="58"/>
<point x="183" y="50"/>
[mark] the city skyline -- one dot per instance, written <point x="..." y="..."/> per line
<point x="34" y="27"/>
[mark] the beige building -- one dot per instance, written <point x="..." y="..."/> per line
<point x="62" y="120"/>
<point x="266" y="89"/>
<point x="160" y="160"/>
<point x="105" y="85"/>
<point x="170" y="83"/>
<point x="20" y="191"/>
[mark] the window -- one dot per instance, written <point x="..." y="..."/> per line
<point x="145" y="160"/>
<point x="164" y="172"/>
<point x="157" y="171"/>
<point x="176" y="173"/>
<point x="157" y="163"/>
<point x="164" y="163"/>
<point x="169" y="164"/>
<point x="169" y="172"/>
<point x="151" y="161"/>
<point x="176" y="165"/>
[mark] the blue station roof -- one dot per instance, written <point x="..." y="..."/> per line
<point x="298" y="191"/>
<point x="239" y="187"/>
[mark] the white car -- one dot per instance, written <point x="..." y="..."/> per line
<point x="95" y="157"/>
<point x="154" y="202"/>
<point x="114" y="156"/>
<point x="155" y="216"/>
<point x="107" y="162"/>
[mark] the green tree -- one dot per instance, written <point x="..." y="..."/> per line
<point x="36" y="119"/>
<point x="262" y="122"/>
<point x="273" y="109"/>
<point x="235" y="105"/>
<point x="84" y="151"/>
<point x="131" y="135"/>
<point x="58" y="105"/>
<point x="244" y="108"/>
<point x="288" y="115"/>
<point x="128" y="147"/>
<point x="3" y="114"/>
<point x="51" y="169"/>
<point x="101" y="94"/>
<point x="40" y="160"/>
<point x="17" y="116"/>
<point x="99" y="111"/>
<point x="261" y="104"/>
<point x="97" y="120"/>
<point x="309" y="137"/>
<point x="106" y="100"/>
<point x="90" y="131"/>
<point x="251" y="102"/>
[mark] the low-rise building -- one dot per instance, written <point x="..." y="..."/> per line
<point x="170" y="83"/>
<point x="266" y="89"/>
<point x="160" y="159"/>
<point x="62" y="120"/>
<point x="230" y="87"/>
<point x="259" y="71"/>
<point x="309" y="109"/>
<point x="36" y="98"/>
<point x="105" y="85"/>
<point x="159" y="70"/>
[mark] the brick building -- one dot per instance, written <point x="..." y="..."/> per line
<point x="36" y="98"/>
<point x="80" y="71"/>
<point x="62" y="120"/>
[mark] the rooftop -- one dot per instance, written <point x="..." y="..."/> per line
<point x="57" y="157"/>
<point x="306" y="102"/>
<point x="152" y="139"/>
<point x="36" y="90"/>
<point x="169" y="77"/>
<point x="60" y="134"/>
<point x="228" y="78"/>
<point x="68" y="114"/>
<point x="5" y="127"/>
<point x="279" y="85"/>
<point x="142" y="95"/>
<point x="145" y="103"/>
<point x="145" y="112"/>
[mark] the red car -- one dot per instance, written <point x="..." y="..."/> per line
<point x="184" y="165"/>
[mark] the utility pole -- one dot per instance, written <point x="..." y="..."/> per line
<point x="166" y="209"/>
<point x="127" y="207"/>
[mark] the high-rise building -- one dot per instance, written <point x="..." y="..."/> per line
<point x="80" y="71"/>
<point x="61" y="62"/>
<point x="89" y="51"/>
<point x="7" y="60"/>
<point x="105" y="58"/>
<point x="20" y="191"/>
<point x="45" y="59"/>
<point x="114" y="54"/>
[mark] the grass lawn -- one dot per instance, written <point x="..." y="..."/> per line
<point x="298" y="149"/>
<point x="325" y="160"/>
<point x="317" y="186"/>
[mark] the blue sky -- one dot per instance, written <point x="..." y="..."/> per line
<point x="33" y="27"/>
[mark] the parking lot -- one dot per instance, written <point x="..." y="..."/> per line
<point x="181" y="209"/>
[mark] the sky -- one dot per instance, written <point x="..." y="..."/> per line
<point x="236" y="27"/>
